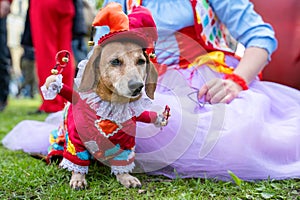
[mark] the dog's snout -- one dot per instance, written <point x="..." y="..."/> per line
<point x="135" y="87"/>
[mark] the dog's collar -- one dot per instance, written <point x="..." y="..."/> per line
<point x="115" y="111"/>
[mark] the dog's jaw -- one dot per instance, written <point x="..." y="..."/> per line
<point x="107" y="95"/>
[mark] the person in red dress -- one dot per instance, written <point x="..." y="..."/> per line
<point x="51" y="27"/>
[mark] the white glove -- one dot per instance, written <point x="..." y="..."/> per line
<point x="53" y="88"/>
<point x="161" y="121"/>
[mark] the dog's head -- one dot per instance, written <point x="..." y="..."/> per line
<point x="118" y="71"/>
<point x="119" y="67"/>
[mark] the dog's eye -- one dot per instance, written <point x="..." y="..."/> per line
<point x="141" y="61"/>
<point x="115" y="62"/>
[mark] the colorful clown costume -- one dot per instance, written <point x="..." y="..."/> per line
<point x="109" y="138"/>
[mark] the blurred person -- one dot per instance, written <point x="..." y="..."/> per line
<point x="27" y="61"/>
<point x="85" y="13"/>
<point x="5" y="57"/>
<point x="79" y="29"/>
<point x="51" y="23"/>
<point x="27" y="66"/>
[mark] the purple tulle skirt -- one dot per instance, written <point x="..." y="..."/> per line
<point x="256" y="136"/>
<point x="32" y="136"/>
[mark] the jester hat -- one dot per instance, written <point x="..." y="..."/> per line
<point x="138" y="26"/>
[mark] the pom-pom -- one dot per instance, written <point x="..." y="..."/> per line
<point x="65" y="59"/>
<point x="54" y="71"/>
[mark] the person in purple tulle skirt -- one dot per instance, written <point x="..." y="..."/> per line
<point x="223" y="118"/>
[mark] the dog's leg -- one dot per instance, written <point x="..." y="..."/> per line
<point x="128" y="181"/>
<point x="78" y="181"/>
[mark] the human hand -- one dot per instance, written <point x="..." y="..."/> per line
<point x="219" y="91"/>
<point x="4" y="8"/>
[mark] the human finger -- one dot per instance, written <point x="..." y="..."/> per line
<point x="215" y="89"/>
<point x="231" y="89"/>
<point x="203" y="90"/>
<point x="218" y="96"/>
<point x="227" y="98"/>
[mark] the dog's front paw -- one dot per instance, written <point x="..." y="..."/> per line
<point x="78" y="181"/>
<point x="128" y="181"/>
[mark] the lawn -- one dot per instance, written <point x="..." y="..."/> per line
<point x="24" y="177"/>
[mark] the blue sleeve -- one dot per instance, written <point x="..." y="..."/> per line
<point x="244" y="24"/>
<point x="122" y="2"/>
<point x="102" y="30"/>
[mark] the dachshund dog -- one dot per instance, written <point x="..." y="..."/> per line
<point x="117" y="72"/>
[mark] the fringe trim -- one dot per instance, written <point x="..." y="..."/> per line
<point x="115" y="111"/>
<point x="122" y="169"/>
<point x="66" y="164"/>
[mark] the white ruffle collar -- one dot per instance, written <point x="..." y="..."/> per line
<point x="118" y="112"/>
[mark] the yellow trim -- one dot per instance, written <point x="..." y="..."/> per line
<point x="214" y="60"/>
<point x="198" y="18"/>
<point x="51" y="139"/>
<point x="138" y="2"/>
<point x="71" y="147"/>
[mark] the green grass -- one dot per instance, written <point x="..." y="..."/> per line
<point x="24" y="177"/>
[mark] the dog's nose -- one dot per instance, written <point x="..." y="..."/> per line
<point x="135" y="87"/>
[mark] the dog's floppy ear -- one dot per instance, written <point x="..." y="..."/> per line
<point x="91" y="72"/>
<point x="151" y="80"/>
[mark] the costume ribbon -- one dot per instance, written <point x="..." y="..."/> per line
<point x="214" y="60"/>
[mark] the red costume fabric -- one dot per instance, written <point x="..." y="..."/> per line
<point x="82" y="127"/>
<point x="51" y="27"/>
<point x="284" y="67"/>
<point x="108" y="138"/>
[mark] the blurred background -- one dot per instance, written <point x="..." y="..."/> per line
<point x="15" y="28"/>
<point x="284" y="16"/>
